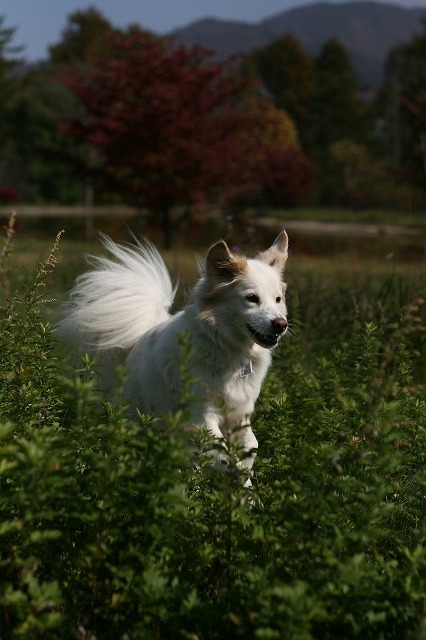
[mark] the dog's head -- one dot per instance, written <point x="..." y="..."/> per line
<point x="245" y="298"/>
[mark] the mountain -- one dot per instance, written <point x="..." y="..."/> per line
<point x="368" y="30"/>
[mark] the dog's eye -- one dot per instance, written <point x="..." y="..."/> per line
<point x="278" y="299"/>
<point x="252" y="297"/>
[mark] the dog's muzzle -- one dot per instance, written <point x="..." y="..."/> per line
<point x="269" y="340"/>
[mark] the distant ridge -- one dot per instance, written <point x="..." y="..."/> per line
<point x="368" y="30"/>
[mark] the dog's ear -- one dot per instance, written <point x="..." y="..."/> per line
<point x="223" y="265"/>
<point x="276" y="256"/>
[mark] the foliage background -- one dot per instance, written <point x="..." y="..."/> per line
<point x="364" y="145"/>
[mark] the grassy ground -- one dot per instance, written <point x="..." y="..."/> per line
<point x="330" y="280"/>
<point x="318" y="251"/>
<point x="108" y="531"/>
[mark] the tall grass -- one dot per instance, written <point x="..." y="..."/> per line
<point x="109" y="531"/>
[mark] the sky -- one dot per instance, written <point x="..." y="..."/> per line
<point x="39" y="23"/>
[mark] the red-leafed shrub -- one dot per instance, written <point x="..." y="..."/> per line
<point x="9" y="195"/>
<point x="285" y="176"/>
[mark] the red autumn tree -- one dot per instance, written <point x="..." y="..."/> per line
<point x="164" y="119"/>
<point x="277" y="169"/>
<point x="285" y="175"/>
<point x="172" y="127"/>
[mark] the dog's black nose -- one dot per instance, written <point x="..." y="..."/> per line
<point x="279" y="325"/>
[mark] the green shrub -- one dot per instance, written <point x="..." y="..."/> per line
<point x="108" y="531"/>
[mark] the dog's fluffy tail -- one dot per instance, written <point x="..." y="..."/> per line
<point x="122" y="297"/>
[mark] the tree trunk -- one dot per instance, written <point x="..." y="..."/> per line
<point x="167" y="228"/>
<point x="88" y="201"/>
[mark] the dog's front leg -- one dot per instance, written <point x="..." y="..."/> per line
<point x="243" y="436"/>
<point x="249" y="444"/>
<point x="211" y="421"/>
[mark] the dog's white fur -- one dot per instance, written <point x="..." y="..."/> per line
<point x="236" y="315"/>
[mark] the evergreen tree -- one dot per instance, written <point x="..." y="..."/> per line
<point x="8" y="92"/>
<point x="336" y="111"/>
<point x="405" y="79"/>
<point x="84" y="37"/>
<point x="42" y="163"/>
<point x="46" y="166"/>
<point x="285" y="71"/>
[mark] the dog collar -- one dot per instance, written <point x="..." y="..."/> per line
<point x="246" y="369"/>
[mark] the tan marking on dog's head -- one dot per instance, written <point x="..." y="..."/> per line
<point x="222" y="265"/>
<point x="277" y="254"/>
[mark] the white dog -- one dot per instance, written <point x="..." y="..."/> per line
<point x="236" y="315"/>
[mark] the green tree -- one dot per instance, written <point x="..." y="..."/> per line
<point x="405" y="79"/>
<point x="285" y="70"/>
<point x="84" y="37"/>
<point x="8" y="63"/>
<point x="336" y="111"/>
<point x="45" y="165"/>
<point x="8" y="92"/>
<point x="418" y="109"/>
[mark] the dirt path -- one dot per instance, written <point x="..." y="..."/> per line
<point x="311" y="227"/>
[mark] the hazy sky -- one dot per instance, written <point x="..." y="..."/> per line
<point x="40" y="22"/>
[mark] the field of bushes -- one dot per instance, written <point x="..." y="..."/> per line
<point x="107" y="529"/>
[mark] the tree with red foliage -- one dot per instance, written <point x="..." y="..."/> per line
<point x="285" y="174"/>
<point x="279" y="171"/>
<point x="164" y="120"/>
<point x="9" y="195"/>
<point x="172" y="127"/>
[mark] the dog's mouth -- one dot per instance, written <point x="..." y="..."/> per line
<point x="268" y="341"/>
